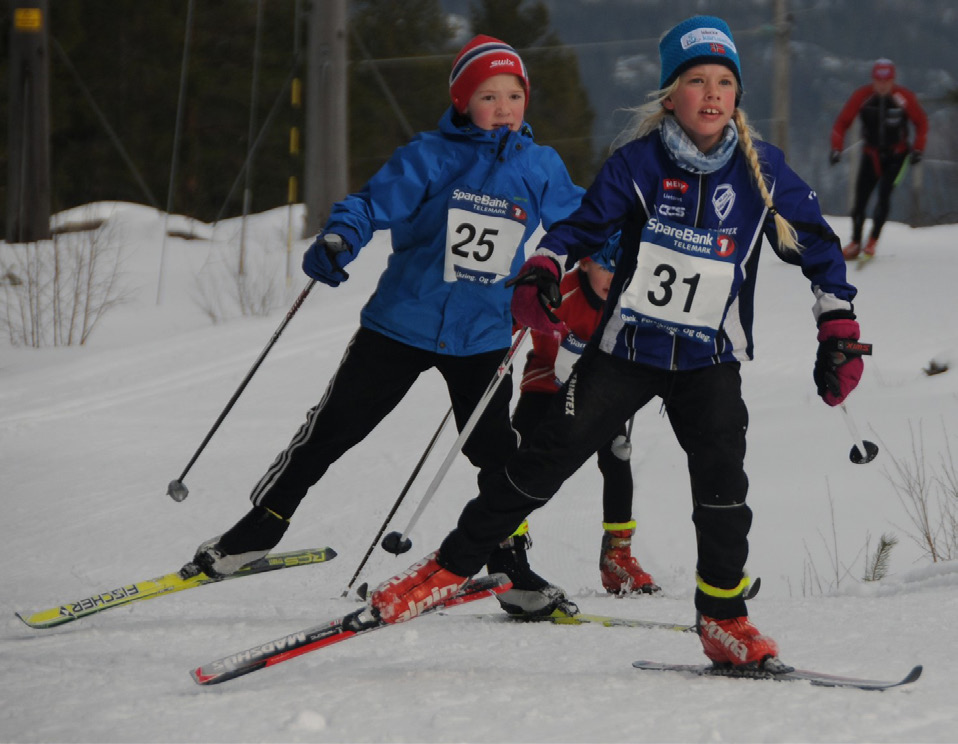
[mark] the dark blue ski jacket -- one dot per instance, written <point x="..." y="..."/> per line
<point x="461" y="203"/>
<point x="643" y="192"/>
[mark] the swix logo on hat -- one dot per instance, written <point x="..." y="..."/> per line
<point x="726" y="246"/>
<point x="675" y="184"/>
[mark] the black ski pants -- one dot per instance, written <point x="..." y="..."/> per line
<point x="875" y="170"/>
<point x="375" y="374"/>
<point x="617" y="482"/>
<point x="709" y="419"/>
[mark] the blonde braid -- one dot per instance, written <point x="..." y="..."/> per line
<point x="787" y="235"/>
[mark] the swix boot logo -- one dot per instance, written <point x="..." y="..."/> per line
<point x="723" y="199"/>
<point x="726" y="246"/>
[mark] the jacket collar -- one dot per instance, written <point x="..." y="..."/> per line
<point x="455" y="124"/>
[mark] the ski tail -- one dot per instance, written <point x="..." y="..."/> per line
<point x="819" y="679"/>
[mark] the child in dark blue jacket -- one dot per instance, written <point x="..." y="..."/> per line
<point x="460" y="203"/>
<point x="694" y="193"/>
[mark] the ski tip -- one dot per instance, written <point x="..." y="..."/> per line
<point x="913" y="675"/>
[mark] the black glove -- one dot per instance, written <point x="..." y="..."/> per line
<point x="916" y="157"/>
<point x="834" y="156"/>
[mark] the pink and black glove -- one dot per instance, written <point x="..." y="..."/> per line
<point x="536" y="294"/>
<point x="839" y="365"/>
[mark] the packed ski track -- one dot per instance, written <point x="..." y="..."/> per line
<point x="91" y="436"/>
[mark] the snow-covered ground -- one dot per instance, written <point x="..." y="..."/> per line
<point x="90" y="436"/>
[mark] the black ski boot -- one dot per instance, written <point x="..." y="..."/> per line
<point x="531" y="595"/>
<point x="248" y="540"/>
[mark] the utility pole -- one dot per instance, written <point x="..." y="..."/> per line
<point x="28" y="170"/>
<point x="781" y="92"/>
<point x="326" y="153"/>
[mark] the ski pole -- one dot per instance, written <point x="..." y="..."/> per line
<point x="402" y="495"/>
<point x="398" y="543"/>
<point x="863" y="451"/>
<point x="177" y="489"/>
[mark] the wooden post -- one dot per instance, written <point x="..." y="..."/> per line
<point x="326" y="152"/>
<point x="28" y="174"/>
<point x="781" y="92"/>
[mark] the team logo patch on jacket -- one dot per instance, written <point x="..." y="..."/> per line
<point x="723" y="199"/>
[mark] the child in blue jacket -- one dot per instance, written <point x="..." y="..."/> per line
<point x="694" y="194"/>
<point x="460" y="203"/>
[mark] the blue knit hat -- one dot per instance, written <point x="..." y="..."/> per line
<point x="608" y="255"/>
<point x="695" y="41"/>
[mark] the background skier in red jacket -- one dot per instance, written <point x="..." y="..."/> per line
<point x="885" y="109"/>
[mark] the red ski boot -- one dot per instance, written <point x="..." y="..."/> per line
<point x="620" y="571"/>
<point x="414" y="591"/>
<point x="737" y="643"/>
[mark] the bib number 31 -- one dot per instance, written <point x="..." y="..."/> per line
<point x="682" y="280"/>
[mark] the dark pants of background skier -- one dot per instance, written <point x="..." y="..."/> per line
<point x="616" y="473"/>
<point x="375" y="374"/>
<point x="880" y="170"/>
<point x="709" y="419"/>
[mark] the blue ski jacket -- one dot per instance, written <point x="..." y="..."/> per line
<point x="461" y="203"/>
<point x="684" y="233"/>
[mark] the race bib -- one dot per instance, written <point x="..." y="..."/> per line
<point x="483" y="234"/>
<point x="569" y="352"/>
<point x="682" y="280"/>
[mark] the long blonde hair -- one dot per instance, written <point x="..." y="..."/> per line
<point x="646" y="119"/>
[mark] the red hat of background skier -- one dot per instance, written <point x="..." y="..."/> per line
<point x="480" y="59"/>
<point x="883" y="69"/>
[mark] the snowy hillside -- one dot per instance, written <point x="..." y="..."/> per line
<point x="90" y="436"/>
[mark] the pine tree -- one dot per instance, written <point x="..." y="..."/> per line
<point x="402" y="48"/>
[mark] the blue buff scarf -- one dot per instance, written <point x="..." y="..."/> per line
<point x="684" y="152"/>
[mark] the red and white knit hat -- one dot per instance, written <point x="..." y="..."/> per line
<point x="883" y="69"/>
<point x="480" y="59"/>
